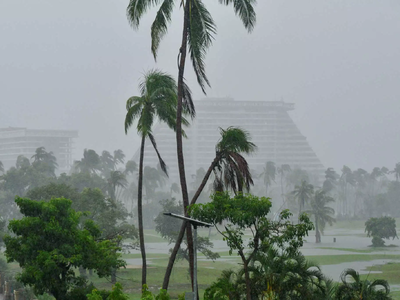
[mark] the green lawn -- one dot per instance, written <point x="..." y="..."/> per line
<point x="337" y="259"/>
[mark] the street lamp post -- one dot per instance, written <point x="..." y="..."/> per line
<point x="195" y="224"/>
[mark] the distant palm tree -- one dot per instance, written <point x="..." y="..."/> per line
<point x="1" y="167"/>
<point x="22" y="162"/>
<point x="107" y="163"/>
<point x="268" y="175"/>
<point x="90" y="163"/>
<point x="228" y="160"/>
<point x="45" y="161"/>
<point x="130" y="167"/>
<point x="322" y="213"/>
<point x="396" y="171"/>
<point x="361" y="289"/>
<point x="116" y="179"/>
<point x="346" y="179"/>
<point x="119" y="157"/>
<point x="157" y="100"/>
<point x="303" y="194"/>
<point x="152" y="179"/>
<point x="331" y="178"/>
<point x="283" y="170"/>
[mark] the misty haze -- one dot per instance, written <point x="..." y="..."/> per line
<point x="194" y="149"/>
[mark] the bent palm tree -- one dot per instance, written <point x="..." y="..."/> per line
<point x="45" y="159"/>
<point x="90" y="163"/>
<point x="232" y="143"/>
<point x="198" y="32"/>
<point x="303" y="193"/>
<point x="157" y="101"/>
<point x="361" y="289"/>
<point x="322" y="214"/>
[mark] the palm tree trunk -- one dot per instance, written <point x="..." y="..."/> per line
<point x="179" y="145"/>
<point x="140" y="213"/>
<point x="183" y="227"/>
<point x="283" y="198"/>
<point x="300" y="208"/>
<point x="317" y="233"/>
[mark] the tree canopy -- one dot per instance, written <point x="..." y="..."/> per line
<point x="48" y="242"/>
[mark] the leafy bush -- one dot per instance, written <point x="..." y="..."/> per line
<point x="147" y="295"/>
<point x="379" y="229"/>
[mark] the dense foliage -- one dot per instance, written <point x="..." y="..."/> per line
<point x="48" y="242"/>
<point x="248" y="212"/>
<point x="381" y="228"/>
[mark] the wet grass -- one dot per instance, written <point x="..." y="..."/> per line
<point x="337" y="259"/>
<point x="370" y="250"/>
<point x="390" y="272"/>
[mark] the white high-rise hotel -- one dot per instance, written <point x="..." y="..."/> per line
<point x="22" y="141"/>
<point x="273" y="131"/>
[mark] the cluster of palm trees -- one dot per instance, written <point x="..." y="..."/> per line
<point x="197" y="35"/>
<point x="362" y="193"/>
<point x="158" y="102"/>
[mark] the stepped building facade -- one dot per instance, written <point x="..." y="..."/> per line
<point x="22" y="141"/>
<point x="273" y="131"/>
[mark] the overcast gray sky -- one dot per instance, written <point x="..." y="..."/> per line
<point x="73" y="64"/>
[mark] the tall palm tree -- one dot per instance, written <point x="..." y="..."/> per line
<point x="197" y="35"/>
<point x="157" y="100"/>
<point x="228" y="155"/>
<point x="322" y="213"/>
<point x="268" y="175"/>
<point x="303" y="193"/>
<point x="361" y="289"/>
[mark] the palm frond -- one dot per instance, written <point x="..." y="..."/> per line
<point x="134" y="108"/>
<point x="235" y="139"/>
<point x="201" y="28"/>
<point x="245" y="10"/>
<point x="161" y="161"/>
<point x="136" y="9"/>
<point x="160" y="25"/>
<point x="187" y="101"/>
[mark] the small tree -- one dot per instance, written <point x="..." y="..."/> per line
<point x="247" y="212"/>
<point x="379" y="229"/>
<point x="49" y="243"/>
